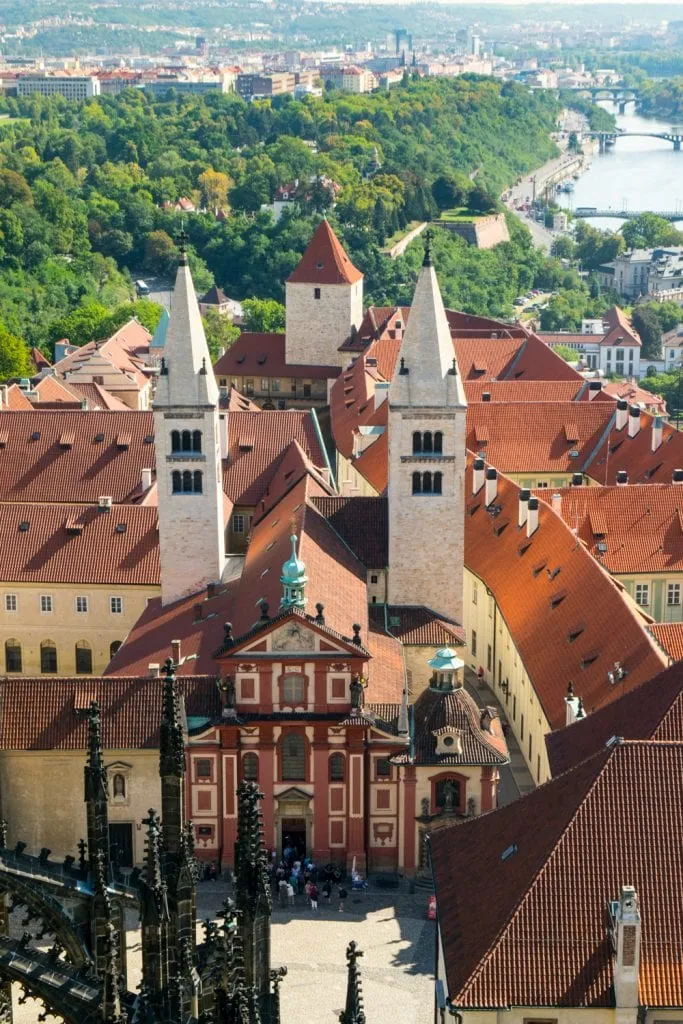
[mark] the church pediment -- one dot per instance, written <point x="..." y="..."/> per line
<point x="292" y="636"/>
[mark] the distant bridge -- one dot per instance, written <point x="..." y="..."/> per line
<point x="609" y="138"/>
<point x="593" y="211"/>
<point x="619" y="94"/>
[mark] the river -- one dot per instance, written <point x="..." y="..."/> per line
<point x="635" y="174"/>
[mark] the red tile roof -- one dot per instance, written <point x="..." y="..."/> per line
<point x="546" y="869"/>
<point x="257" y="443"/>
<point x="17" y="400"/>
<point x="634" y="454"/>
<point x="41" y="470"/>
<point x="40" y="714"/>
<point x="417" y="626"/>
<point x="362" y="523"/>
<point x="263" y="355"/>
<point x="52" y="389"/>
<point x="373" y="463"/>
<point x="584" y="633"/>
<point x="436" y="710"/>
<point x="669" y="635"/>
<point x="619" y="329"/>
<point x="627" y="529"/>
<point x="97" y="397"/>
<point x="635" y="395"/>
<point x="525" y="437"/>
<point x="352" y="402"/>
<point x="651" y="711"/>
<point x="325" y="261"/>
<point x="526" y="390"/>
<point x="78" y="544"/>
<point x="39" y="360"/>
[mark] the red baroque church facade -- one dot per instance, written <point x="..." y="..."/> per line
<point x="292" y="721"/>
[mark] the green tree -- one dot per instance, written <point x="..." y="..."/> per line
<point x="86" y="323"/>
<point x="648" y="230"/>
<point x="569" y="355"/>
<point x="161" y="254"/>
<point x="220" y="333"/>
<point x="263" y="316"/>
<point x="15" y="359"/>
<point x="563" y="247"/>
<point x="646" y="323"/>
<point x="451" y="189"/>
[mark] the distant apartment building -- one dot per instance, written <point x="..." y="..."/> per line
<point x="194" y="85"/>
<point x="644" y="272"/>
<point x="72" y="87"/>
<point x="350" y="78"/>
<point x="277" y="83"/>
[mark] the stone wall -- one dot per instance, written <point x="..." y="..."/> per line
<point x="484" y="232"/>
<point x="315" y="328"/>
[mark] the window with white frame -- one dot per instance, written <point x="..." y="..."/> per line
<point x="46" y="602"/>
<point x="81" y="604"/>
<point x="116" y="605"/>
<point x="643" y="594"/>
<point x="11" y="602"/>
<point x="673" y="593"/>
<point x="238" y="523"/>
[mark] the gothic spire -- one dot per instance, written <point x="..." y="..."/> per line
<point x="252" y="888"/>
<point x="171" y="740"/>
<point x="96" y="795"/>
<point x="354" y="1012"/>
<point x="427" y="374"/>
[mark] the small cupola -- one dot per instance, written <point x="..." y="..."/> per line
<point x="446" y="668"/>
<point x="293" y="580"/>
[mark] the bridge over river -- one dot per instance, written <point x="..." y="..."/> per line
<point x="607" y="139"/>
<point x="593" y="211"/>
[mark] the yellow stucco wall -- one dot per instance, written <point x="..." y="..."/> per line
<point x="42" y="796"/>
<point x="64" y="625"/>
<point x="520" y="704"/>
<point x="350" y="481"/>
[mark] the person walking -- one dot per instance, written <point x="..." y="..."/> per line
<point x="290" y="894"/>
<point x="327" y="891"/>
<point x="282" y="890"/>
<point x="343" y="896"/>
<point x="313" y="896"/>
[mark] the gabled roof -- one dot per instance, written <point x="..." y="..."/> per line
<point x="324" y="261"/>
<point x="634" y="529"/>
<point x="362" y="523"/>
<point x="263" y="355"/>
<point x="436" y="710"/>
<point x="653" y="710"/>
<point x="620" y="331"/>
<point x="549" y="865"/>
<point x="618" y="452"/>
<point x="78" y="544"/>
<point x="669" y="636"/>
<point x="417" y="625"/>
<point x="214" y="297"/>
<point x="17" y="400"/>
<point x="40" y="714"/>
<point x="106" y="457"/>
<point x="524" y="437"/>
<point x="577" y="638"/>
<point x="635" y="395"/>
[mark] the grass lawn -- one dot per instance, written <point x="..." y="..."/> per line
<point x="401" y="233"/>
<point x="459" y="215"/>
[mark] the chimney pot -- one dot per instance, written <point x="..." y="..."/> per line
<point x="657" y="431"/>
<point x="146" y="479"/>
<point x="622" y="414"/>
<point x="478" y="467"/>
<point x="532" y="517"/>
<point x="175" y="649"/>
<point x="491" y="490"/>
<point x="594" y="388"/>
<point x="622" y="478"/>
<point x="633" y="421"/>
<point x="154" y="669"/>
<point x="523" y="507"/>
<point x="556" y="502"/>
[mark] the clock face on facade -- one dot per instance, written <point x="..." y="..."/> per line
<point x="293" y="637"/>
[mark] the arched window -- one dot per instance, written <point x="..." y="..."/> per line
<point x="113" y="647"/>
<point x="438" y="442"/>
<point x="417" y="483"/>
<point x="197" y="481"/>
<point x="438" y="480"/>
<point x="48" y="656"/>
<point x="118" y="787"/>
<point x="427" y="483"/>
<point x="12" y="655"/>
<point x="177" y="478"/>
<point x="83" y="658"/>
<point x="175" y="440"/>
<point x="427" y="442"/>
<point x="196" y="440"/>
<point x="250" y="767"/>
<point x="293" y="757"/>
<point x="417" y="442"/>
<point x="187" y="481"/>
<point x="187" y="441"/>
<point x="293" y="689"/>
<point x="337" y="768"/>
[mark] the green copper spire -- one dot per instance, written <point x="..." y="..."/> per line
<point x="293" y="580"/>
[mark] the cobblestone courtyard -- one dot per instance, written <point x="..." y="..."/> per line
<point x="390" y="927"/>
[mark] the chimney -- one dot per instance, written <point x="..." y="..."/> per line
<point x="175" y="651"/>
<point x="622" y="478"/>
<point x="523" y="507"/>
<point x="486" y="396"/>
<point x="532" y="517"/>
<point x="594" y="388"/>
<point x="146" y="479"/>
<point x="627" y="934"/>
<point x="491" y="490"/>
<point x="223" y="433"/>
<point x="656" y="433"/>
<point x="381" y="392"/>
<point x="622" y="414"/>
<point x="153" y="669"/>
<point x="677" y="476"/>
<point x="633" y="421"/>
<point x="577" y="479"/>
<point x="477" y="475"/>
<point x="556" y="502"/>
<point x="574" y="707"/>
<point x="198" y="612"/>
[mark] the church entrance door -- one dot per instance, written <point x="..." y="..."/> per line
<point x="293" y="834"/>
